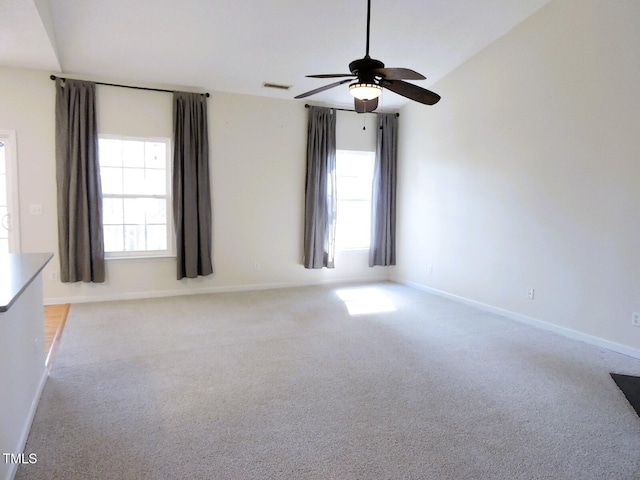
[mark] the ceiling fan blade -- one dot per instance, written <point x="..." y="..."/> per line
<point x="399" y="74"/>
<point x="364" y="106"/>
<point x="411" y="91"/>
<point x="331" y="75"/>
<point x="322" y="89"/>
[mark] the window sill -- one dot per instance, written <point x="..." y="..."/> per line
<point x="168" y="256"/>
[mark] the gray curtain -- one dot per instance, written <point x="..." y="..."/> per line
<point x="80" y="239"/>
<point x="383" y="199"/>
<point x="320" y="190"/>
<point x="191" y="193"/>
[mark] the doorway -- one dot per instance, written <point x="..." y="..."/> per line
<point x="9" y="219"/>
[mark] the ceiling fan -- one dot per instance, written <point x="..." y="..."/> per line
<point x="371" y="77"/>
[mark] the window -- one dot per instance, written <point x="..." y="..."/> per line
<point x="354" y="177"/>
<point x="136" y="196"/>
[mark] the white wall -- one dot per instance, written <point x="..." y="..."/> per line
<point x="527" y="174"/>
<point x="258" y="149"/>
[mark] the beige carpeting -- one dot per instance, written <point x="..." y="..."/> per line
<point x="288" y="384"/>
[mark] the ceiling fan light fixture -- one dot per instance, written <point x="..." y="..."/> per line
<point x="365" y="91"/>
<point x="367" y="73"/>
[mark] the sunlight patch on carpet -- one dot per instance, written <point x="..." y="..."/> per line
<point x="362" y="301"/>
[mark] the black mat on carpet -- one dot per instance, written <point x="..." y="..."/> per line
<point x="630" y="386"/>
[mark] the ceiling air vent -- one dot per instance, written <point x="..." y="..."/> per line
<point x="275" y="85"/>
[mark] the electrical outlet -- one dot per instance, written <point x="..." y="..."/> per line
<point x="531" y="293"/>
<point x="256" y="265"/>
<point x="35" y="209"/>
<point x="53" y="276"/>
<point x="635" y="319"/>
<point x="430" y="269"/>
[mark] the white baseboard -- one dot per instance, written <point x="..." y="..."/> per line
<point x="566" y="332"/>
<point x="200" y="291"/>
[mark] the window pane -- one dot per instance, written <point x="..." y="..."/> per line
<point x="110" y="152"/>
<point x="354" y="163"/>
<point x="134" y="238"/>
<point x="348" y="166"/>
<point x="111" y="180"/>
<point x="134" y="210"/>
<point x="113" y="240"/>
<point x="156" y="210"/>
<point x="155" y="155"/>
<point x="362" y="190"/>
<point x="3" y="161"/>
<point x="3" y="189"/>
<point x="156" y="182"/>
<point x="354" y="188"/>
<point x="354" y="171"/>
<point x="133" y="180"/>
<point x="133" y="153"/>
<point x="112" y="211"/>
<point x="156" y="237"/>
<point x="353" y="224"/>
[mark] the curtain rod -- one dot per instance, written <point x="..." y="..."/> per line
<point x="306" y="105"/>
<point x="53" y="77"/>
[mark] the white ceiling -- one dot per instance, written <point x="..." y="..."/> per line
<point x="235" y="46"/>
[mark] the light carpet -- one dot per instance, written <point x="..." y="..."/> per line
<point x="287" y="384"/>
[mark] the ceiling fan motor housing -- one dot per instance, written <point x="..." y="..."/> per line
<point x="364" y="68"/>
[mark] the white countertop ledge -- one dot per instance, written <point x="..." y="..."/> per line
<point x="17" y="271"/>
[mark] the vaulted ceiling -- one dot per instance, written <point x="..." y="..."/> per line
<point x="236" y="46"/>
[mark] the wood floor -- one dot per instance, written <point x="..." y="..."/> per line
<point x="54" y="318"/>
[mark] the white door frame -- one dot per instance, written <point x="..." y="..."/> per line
<point x="9" y="139"/>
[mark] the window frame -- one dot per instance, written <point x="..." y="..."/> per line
<point x="170" y="251"/>
<point x="340" y="245"/>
